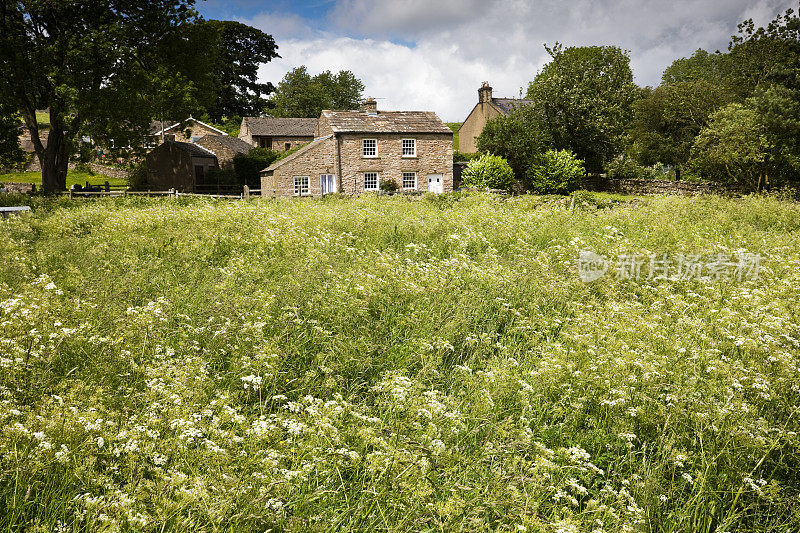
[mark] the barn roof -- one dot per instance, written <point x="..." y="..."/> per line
<point x="237" y="145"/>
<point x="507" y="105"/>
<point x="280" y="127"/>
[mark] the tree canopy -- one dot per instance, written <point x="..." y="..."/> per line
<point x="586" y="94"/>
<point x="237" y="52"/>
<point x="301" y="95"/>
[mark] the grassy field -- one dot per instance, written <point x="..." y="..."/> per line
<point x="73" y="177"/>
<point x="394" y="364"/>
<point x="454" y="126"/>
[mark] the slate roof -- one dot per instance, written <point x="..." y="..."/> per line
<point x="507" y="105"/>
<point x="193" y="149"/>
<point x="157" y="126"/>
<point x="385" y="122"/>
<point x="280" y="127"/>
<point x="307" y="148"/>
<point x="237" y="145"/>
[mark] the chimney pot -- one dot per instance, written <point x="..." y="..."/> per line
<point x="371" y="106"/>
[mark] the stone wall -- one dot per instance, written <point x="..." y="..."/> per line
<point x="111" y="172"/>
<point x="434" y="156"/>
<point x="24" y="188"/>
<point x="653" y="187"/>
<point x="473" y="126"/>
<point x="279" y="144"/>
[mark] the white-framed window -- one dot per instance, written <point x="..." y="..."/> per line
<point x="409" y="148"/>
<point x="327" y="183"/>
<point x="409" y="180"/>
<point x="300" y="185"/>
<point x="370" y="181"/>
<point x="369" y="147"/>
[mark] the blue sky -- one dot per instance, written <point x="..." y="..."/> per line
<point x="432" y="55"/>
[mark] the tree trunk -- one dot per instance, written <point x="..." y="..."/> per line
<point x="54" y="159"/>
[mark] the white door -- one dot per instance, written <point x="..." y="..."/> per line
<point x="327" y="183"/>
<point x="436" y="183"/>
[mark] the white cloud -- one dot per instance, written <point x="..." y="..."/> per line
<point x="455" y="45"/>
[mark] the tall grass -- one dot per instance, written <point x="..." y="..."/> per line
<point x="392" y="364"/>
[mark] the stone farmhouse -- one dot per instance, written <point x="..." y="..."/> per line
<point x="355" y="151"/>
<point x="486" y="109"/>
<point x="189" y="130"/>
<point x="277" y="134"/>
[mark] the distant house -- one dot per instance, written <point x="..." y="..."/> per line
<point x="277" y="134"/>
<point x="189" y="130"/>
<point x="224" y="147"/>
<point x="355" y="151"/>
<point x="179" y="165"/>
<point x="486" y="109"/>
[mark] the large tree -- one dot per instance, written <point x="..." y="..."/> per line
<point x="10" y="153"/>
<point x="299" y="94"/>
<point x="238" y="50"/>
<point x="91" y="63"/>
<point x="668" y="118"/>
<point x="587" y="95"/>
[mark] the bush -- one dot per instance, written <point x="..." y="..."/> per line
<point x="488" y="172"/>
<point x="389" y="185"/>
<point x="137" y="177"/>
<point x="461" y="156"/>
<point x="248" y="167"/>
<point x="556" y="172"/>
<point x="627" y="168"/>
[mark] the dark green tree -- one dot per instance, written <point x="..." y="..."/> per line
<point x="238" y="51"/>
<point x="10" y="153"/>
<point x="586" y="94"/>
<point x="96" y="65"/>
<point x="520" y="137"/>
<point x="668" y="118"/>
<point x="304" y="96"/>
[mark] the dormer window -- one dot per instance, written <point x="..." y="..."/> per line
<point x="369" y="148"/>
<point x="409" y="148"/>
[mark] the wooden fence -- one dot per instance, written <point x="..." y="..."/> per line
<point x="246" y="194"/>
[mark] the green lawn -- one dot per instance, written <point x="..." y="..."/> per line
<point x="73" y="177"/>
<point x="398" y="364"/>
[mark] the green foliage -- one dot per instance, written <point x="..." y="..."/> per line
<point x="382" y="363"/>
<point x="10" y="154"/>
<point x="239" y="50"/>
<point x="488" y="172"/>
<point x="389" y="185"/>
<point x="668" y="118"/>
<point x="301" y="95"/>
<point x="586" y="95"/>
<point x="733" y="149"/>
<point x="73" y="177"/>
<point x="454" y="126"/>
<point x="629" y="168"/>
<point x="556" y="172"/>
<point x="137" y="177"/>
<point x="520" y="137"/>
<point x="248" y="167"/>
<point x="460" y="156"/>
<point x="97" y="66"/>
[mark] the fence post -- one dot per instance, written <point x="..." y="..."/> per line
<point x="173" y="192"/>
<point x="70" y="194"/>
<point x="108" y="186"/>
<point x="246" y="192"/>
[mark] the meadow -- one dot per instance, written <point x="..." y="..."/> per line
<point x="74" y="177"/>
<point x="396" y="364"/>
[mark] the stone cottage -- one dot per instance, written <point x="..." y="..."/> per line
<point x="277" y="134"/>
<point x="179" y="165"/>
<point x="224" y="147"/>
<point x="355" y="151"/>
<point x="486" y="109"/>
<point x="189" y="130"/>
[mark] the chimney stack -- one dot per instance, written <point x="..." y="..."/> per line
<point x="485" y="93"/>
<point x="371" y="106"/>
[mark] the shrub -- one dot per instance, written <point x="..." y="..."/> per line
<point x="137" y="177"/>
<point x="628" y="168"/>
<point x="461" y="156"/>
<point x="389" y="185"/>
<point x="248" y="167"/>
<point x="556" y="172"/>
<point x="488" y="172"/>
